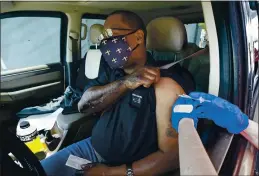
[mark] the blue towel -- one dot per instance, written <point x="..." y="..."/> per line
<point x="71" y="97"/>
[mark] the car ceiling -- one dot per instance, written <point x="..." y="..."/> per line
<point x="187" y="11"/>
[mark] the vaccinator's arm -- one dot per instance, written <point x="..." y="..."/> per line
<point x="194" y="159"/>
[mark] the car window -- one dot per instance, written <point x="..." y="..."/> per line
<point x="85" y="44"/>
<point x="254" y="31"/>
<point x="196" y="33"/>
<point x="29" y="41"/>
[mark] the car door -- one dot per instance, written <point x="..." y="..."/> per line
<point x="32" y="56"/>
<point x="232" y="154"/>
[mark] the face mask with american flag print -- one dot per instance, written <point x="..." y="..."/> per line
<point x="116" y="51"/>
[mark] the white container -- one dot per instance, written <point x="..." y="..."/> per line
<point x="29" y="135"/>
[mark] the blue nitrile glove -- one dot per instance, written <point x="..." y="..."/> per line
<point x="178" y="114"/>
<point x="221" y="112"/>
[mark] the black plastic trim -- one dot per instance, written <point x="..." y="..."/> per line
<point x="238" y="47"/>
<point x="94" y="16"/>
<point x="31" y="79"/>
<point x="225" y="51"/>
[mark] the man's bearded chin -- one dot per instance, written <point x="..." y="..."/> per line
<point x="130" y="66"/>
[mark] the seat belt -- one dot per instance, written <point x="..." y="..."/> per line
<point x="202" y="51"/>
<point x="71" y="66"/>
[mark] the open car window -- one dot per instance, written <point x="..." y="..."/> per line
<point x="28" y="41"/>
<point x="196" y="33"/>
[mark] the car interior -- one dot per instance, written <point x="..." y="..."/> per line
<point x="167" y="43"/>
<point x="81" y="23"/>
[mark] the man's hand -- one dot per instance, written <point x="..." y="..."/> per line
<point x="144" y="76"/>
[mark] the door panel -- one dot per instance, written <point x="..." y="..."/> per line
<point x="31" y="77"/>
<point x="41" y="82"/>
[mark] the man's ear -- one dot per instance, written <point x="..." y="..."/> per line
<point x="140" y="36"/>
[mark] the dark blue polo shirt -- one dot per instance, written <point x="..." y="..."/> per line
<point x="127" y="131"/>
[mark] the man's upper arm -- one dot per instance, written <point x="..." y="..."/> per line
<point x="167" y="91"/>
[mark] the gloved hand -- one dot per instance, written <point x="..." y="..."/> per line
<point x="222" y="112"/>
<point x="181" y="109"/>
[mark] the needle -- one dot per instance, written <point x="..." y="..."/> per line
<point x="200" y="99"/>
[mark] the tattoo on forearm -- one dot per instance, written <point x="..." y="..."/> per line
<point x="93" y="102"/>
<point x="170" y="132"/>
<point x="133" y="79"/>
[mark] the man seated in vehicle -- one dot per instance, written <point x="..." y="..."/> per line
<point x="134" y="133"/>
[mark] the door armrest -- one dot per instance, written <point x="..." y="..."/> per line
<point x="64" y="122"/>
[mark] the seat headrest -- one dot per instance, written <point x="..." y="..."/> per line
<point x="95" y="31"/>
<point x="166" y="34"/>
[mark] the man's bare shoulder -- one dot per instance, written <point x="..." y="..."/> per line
<point x="167" y="89"/>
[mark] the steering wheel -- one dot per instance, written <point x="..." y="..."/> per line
<point x="9" y="143"/>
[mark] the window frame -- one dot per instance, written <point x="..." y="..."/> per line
<point x="91" y="17"/>
<point x="94" y="16"/>
<point x="52" y="14"/>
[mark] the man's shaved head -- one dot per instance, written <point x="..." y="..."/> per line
<point x="130" y="26"/>
<point x="132" y="19"/>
